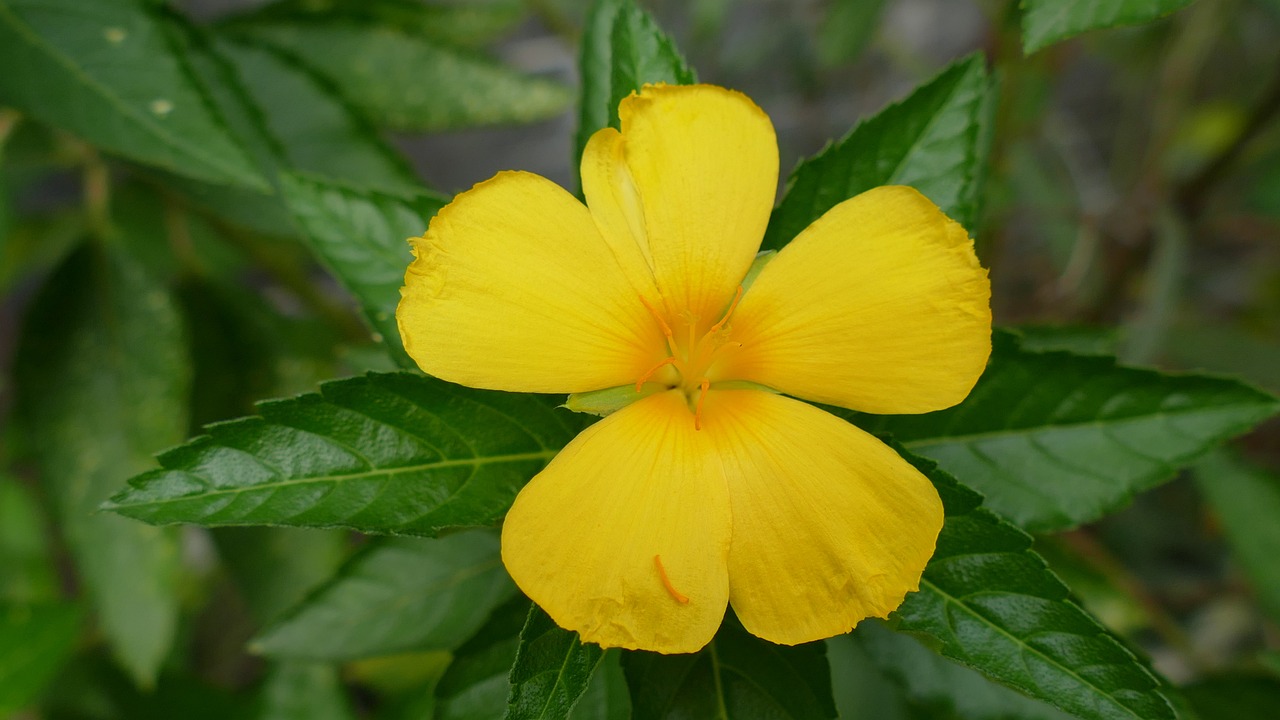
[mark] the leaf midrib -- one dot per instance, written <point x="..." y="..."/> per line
<point x="474" y="462"/>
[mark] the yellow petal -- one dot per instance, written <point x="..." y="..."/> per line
<point x="880" y="305"/>
<point x="829" y="524"/>
<point x="582" y="537"/>
<point x="685" y="190"/>
<point x="514" y="289"/>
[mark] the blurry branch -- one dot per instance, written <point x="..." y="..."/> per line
<point x="1194" y="193"/>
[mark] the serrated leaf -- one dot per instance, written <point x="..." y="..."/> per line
<point x="1247" y="499"/>
<point x="607" y="696"/>
<point x="362" y="237"/>
<point x="399" y="595"/>
<point x="945" y="688"/>
<point x="736" y="676"/>
<point x="35" y="640"/>
<point x="392" y="453"/>
<point x="934" y="140"/>
<point x="412" y="82"/>
<point x="1054" y="440"/>
<point x="103" y="380"/>
<point x="303" y="691"/>
<point x="552" y="670"/>
<point x="1235" y="696"/>
<point x="469" y="23"/>
<point x="477" y="683"/>
<point x="105" y="71"/>
<point x="1045" y="22"/>
<point x="622" y="49"/>
<point x="988" y="601"/>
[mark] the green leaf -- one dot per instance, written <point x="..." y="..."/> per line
<point x="398" y="595"/>
<point x="303" y="691"/>
<point x="736" y="676"/>
<point x="362" y="237"/>
<point x="945" y="688"/>
<point x="934" y="140"/>
<point x="552" y="670"/>
<point x="26" y="565"/>
<point x="385" y="453"/>
<point x="987" y="600"/>
<point x="622" y="49"/>
<point x="103" y="380"/>
<point x="106" y="72"/>
<point x="381" y="70"/>
<point x="1235" y="696"/>
<point x="275" y="568"/>
<point x="1078" y="339"/>
<point x="847" y="29"/>
<point x="35" y="640"/>
<point x="1054" y="440"/>
<point x="1247" y="499"/>
<point x="1045" y="22"/>
<point x="476" y="685"/>
<point x="469" y="22"/>
<point x="607" y="696"/>
<point x="311" y="128"/>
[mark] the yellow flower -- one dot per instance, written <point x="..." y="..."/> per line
<point x="712" y="487"/>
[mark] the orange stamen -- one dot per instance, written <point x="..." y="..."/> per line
<point x="648" y="374"/>
<point x="732" y="306"/>
<point x="666" y="582"/>
<point x="704" y="386"/>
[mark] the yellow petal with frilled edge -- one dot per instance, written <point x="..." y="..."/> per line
<point x="880" y="305"/>
<point x="685" y="189"/>
<point x="624" y="537"/>
<point x="829" y="525"/>
<point x="514" y="289"/>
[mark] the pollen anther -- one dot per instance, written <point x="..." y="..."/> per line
<point x="666" y="582"/>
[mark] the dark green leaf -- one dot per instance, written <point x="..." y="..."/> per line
<point x="736" y="676"/>
<point x="105" y="71"/>
<point x="470" y="22"/>
<point x="934" y="140"/>
<point x="411" y="82"/>
<point x="552" y="670"/>
<point x="384" y="453"/>
<point x="35" y="640"/>
<point x="26" y="566"/>
<point x="622" y="49"/>
<point x="1045" y="22"/>
<point x="1078" y="339"/>
<point x="398" y="595"/>
<point x="1247" y="498"/>
<point x="987" y="600"/>
<point x="477" y="683"/>
<point x="945" y="688"/>
<point x="275" y="568"/>
<point x="103" y="381"/>
<point x="861" y="689"/>
<point x="303" y="691"/>
<point x="1235" y="697"/>
<point x="1055" y="440"/>
<point x="362" y="237"/>
<point x="607" y="696"/>
<point x="314" y="131"/>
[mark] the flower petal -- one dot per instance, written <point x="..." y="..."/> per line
<point x="582" y="537"/>
<point x="829" y="524"/>
<point x="880" y="306"/>
<point x="687" y="187"/>
<point x="514" y="289"/>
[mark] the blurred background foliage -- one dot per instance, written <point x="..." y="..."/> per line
<point x="1132" y="205"/>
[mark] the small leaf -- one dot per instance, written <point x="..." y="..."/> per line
<point x="736" y="676"/>
<point x="398" y="595"/>
<point x="1247" y="498"/>
<point x="946" y="688"/>
<point x="552" y="670"/>
<point x="385" y="453"/>
<point x="1055" y="440"/>
<point x="934" y="140"/>
<point x="35" y="640"/>
<point x="362" y="237"/>
<point x="383" y="70"/>
<point x="102" y="338"/>
<point x="477" y="683"/>
<point x="106" y="72"/>
<point x="303" y="691"/>
<point x="847" y="29"/>
<point x="987" y="600"/>
<point x="1045" y="22"/>
<point x="622" y="49"/>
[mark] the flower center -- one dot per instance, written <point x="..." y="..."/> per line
<point x="692" y="357"/>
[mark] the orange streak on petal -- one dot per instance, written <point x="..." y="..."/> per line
<point x="666" y="581"/>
